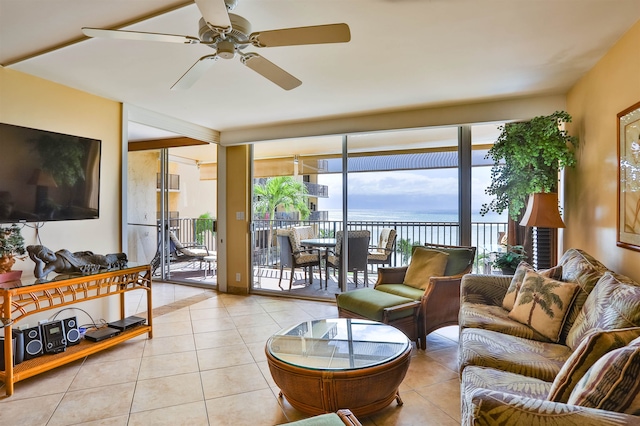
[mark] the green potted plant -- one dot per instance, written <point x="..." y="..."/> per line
<point x="509" y="260"/>
<point x="11" y="249"/>
<point x="204" y="223"/>
<point x="527" y="158"/>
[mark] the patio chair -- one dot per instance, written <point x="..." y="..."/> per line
<point x="357" y="258"/>
<point x="381" y="254"/>
<point x="438" y="297"/>
<point x="293" y="256"/>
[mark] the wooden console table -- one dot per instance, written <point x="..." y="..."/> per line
<point x="23" y="298"/>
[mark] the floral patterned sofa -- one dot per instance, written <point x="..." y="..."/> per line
<point x="554" y="347"/>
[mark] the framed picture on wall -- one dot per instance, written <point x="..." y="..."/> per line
<point x="629" y="178"/>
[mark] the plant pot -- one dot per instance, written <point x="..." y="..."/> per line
<point x="508" y="271"/>
<point x="10" y="276"/>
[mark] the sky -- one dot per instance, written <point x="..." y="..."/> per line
<point x="407" y="190"/>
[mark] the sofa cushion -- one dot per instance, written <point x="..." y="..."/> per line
<point x="401" y="290"/>
<point x="542" y="304"/>
<point x="591" y="349"/>
<point x="612" y="383"/>
<point x="486" y="348"/>
<point x="583" y="269"/>
<point x="518" y="277"/>
<point x="425" y="263"/>
<point x="370" y="303"/>
<point x="613" y="303"/>
<point x="488" y="378"/>
<point x="490" y="317"/>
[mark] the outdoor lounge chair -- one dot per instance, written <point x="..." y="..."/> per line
<point x="181" y="252"/>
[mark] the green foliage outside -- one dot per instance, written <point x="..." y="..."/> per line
<point x="204" y="223"/>
<point x="405" y="247"/>
<point x="282" y="191"/>
<point x="527" y="157"/>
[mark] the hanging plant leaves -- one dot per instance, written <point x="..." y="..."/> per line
<point x="527" y="158"/>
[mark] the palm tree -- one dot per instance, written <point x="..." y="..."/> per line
<point x="540" y="294"/>
<point x="284" y="192"/>
<point x="406" y="247"/>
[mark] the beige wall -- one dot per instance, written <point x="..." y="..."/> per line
<point x="591" y="189"/>
<point x="237" y="204"/>
<point x="32" y="102"/>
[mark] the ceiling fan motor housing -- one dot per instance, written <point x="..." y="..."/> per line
<point x="226" y="46"/>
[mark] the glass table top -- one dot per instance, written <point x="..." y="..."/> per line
<point x="338" y="344"/>
<point x="28" y="279"/>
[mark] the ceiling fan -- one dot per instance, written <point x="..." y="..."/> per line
<point x="229" y="35"/>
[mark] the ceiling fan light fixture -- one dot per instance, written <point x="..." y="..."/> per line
<point x="226" y="49"/>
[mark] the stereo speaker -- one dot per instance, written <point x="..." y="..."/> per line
<point x="33" y="344"/>
<point x="71" y="331"/>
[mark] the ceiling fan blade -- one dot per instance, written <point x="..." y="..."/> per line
<point x="194" y="73"/>
<point x="137" y="35"/>
<point x="270" y="71"/>
<point x="215" y="14"/>
<point x="331" y="33"/>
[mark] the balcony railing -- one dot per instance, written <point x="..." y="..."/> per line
<point x="485" y="237"/>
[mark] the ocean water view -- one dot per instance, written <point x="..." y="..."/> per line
<point x="413" y="216"/>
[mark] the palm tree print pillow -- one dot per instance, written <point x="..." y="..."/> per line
<point x="518" y="277"/>
<point x="543" y="303"/>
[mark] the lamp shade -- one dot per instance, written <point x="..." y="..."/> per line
<point x="42" y="178"/>
<point x="542" y="211"/>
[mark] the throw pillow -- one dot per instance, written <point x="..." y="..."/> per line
<point x="612" y="382"/>
<point x="543" y="303"/>
<point x="425" y="263"/>
<point x="591" y="349"/>
<point x="518" y="277"/>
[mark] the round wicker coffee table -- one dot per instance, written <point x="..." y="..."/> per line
<point x="325" y="365"/>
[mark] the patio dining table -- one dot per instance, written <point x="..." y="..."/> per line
<point x="319" y="242"/>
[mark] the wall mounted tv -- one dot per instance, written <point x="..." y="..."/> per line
<point x="47" y="176"/>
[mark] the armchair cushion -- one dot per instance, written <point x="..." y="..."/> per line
<point x="402" y="290"/>
<point x="425" y="263"/>
<point x="543" y="303"/>
<point x="591" y="349"/>
<point x="371" y="303"/>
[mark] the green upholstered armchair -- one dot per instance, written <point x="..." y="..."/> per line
<point x="339" y="418"/>
<point x="390" y="301"/>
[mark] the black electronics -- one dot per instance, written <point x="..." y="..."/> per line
<point x="101" y="334"/>
<point x="18" y="354"/>
<point x="48" y="176"/>
<point x="71" y="331"/>
<point x="127" y="323"/>
<point x="54" y="338"/>
<point x="33" y="344"/>
<point x="18" y="348"/>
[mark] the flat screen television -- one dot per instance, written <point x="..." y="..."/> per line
<point x="47" y="176"/>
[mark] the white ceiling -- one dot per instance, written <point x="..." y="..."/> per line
<point x="403" y="54"/>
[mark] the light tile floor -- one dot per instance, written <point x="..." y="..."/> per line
<point x="206" y="366"/>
